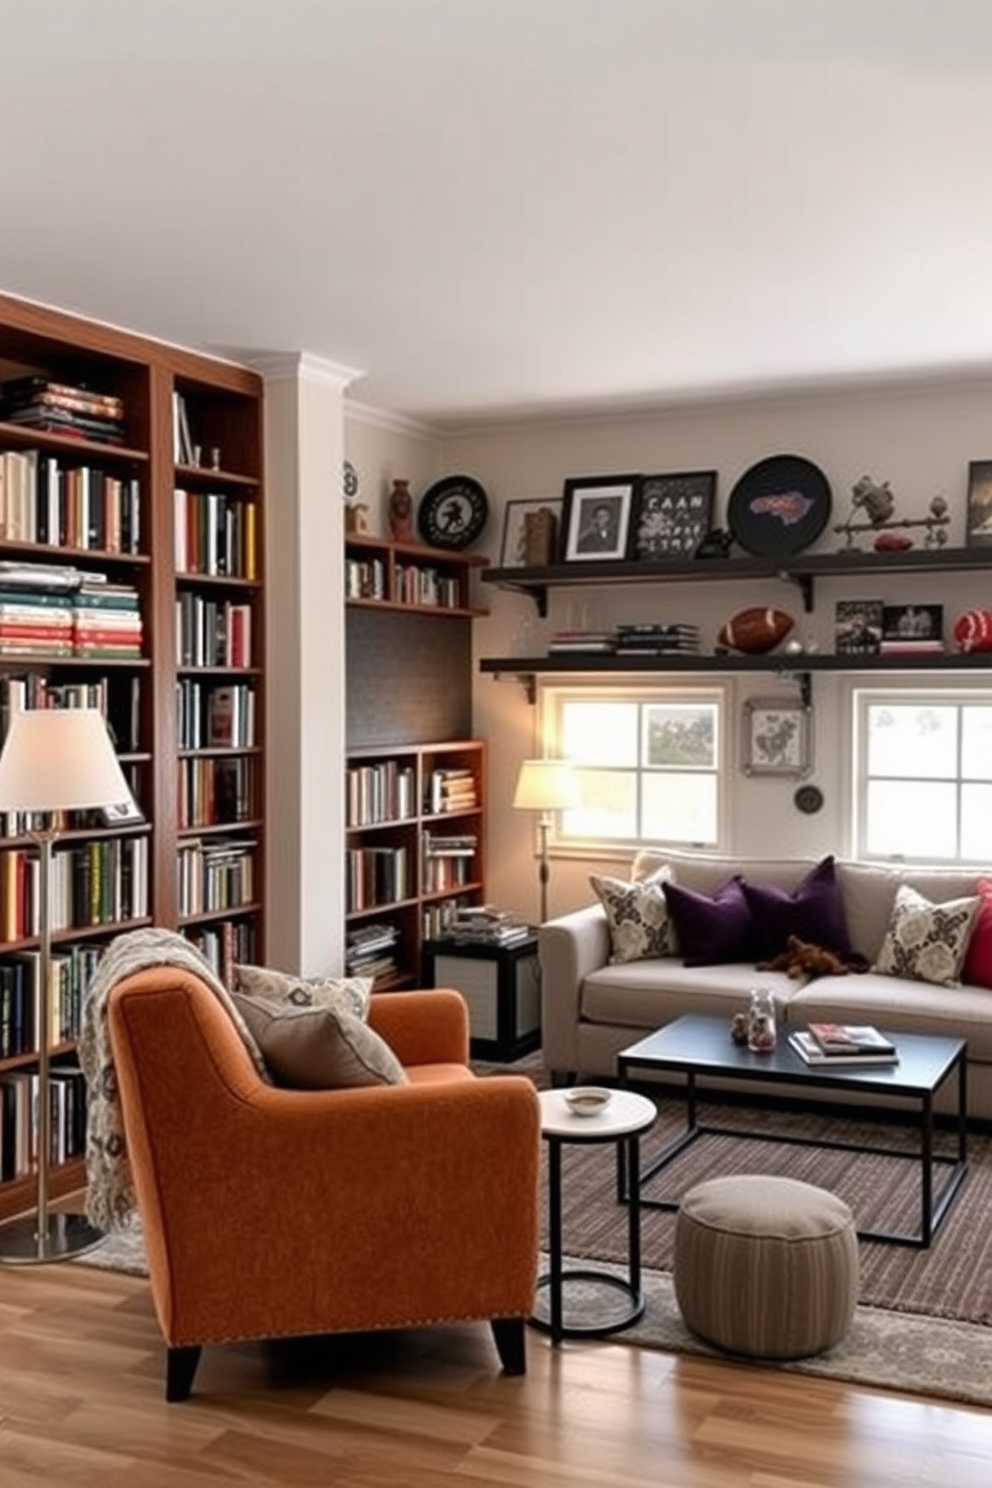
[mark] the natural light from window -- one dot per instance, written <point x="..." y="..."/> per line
<point x="923" y="771"/>
<point x="649" y="763"/>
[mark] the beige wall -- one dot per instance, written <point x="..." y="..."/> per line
<point x="919" y="438"/>
<point x="383" y="448"/>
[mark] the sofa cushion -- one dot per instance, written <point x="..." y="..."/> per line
<point x="637" y="915"/>
<point x="978" y="960"/>
<point x="319" y="1048"/>
<point x="813" y="911"/>
<point x="712" y="928"/>
<point x="927" y="942"/>
<point x="350" y="993"/>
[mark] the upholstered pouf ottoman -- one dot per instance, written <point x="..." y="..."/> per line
<point x="766" y="1267"/>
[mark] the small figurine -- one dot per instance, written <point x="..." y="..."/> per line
<point x="401" y="512"/>
<point x="738" y="1028"/>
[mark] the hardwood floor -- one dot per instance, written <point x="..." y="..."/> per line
<point x="81" y="1404"/>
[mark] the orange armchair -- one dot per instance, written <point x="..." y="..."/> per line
<point x="270" y="1212"/>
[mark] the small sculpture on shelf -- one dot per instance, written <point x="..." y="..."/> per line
<point x="874" y="501"/>
<point x="401" y="512"/>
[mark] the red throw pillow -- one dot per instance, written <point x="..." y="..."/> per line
<point x="977" y="970"/>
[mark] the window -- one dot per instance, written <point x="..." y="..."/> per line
<point x="651" y="762"/>
<point x="923" y="774"/>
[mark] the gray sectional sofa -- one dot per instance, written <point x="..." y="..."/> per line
<point x="592" y="1006"/>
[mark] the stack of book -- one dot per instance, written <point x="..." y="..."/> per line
<point x="61" y="408"/>
<point x="451" y="789"/>
<point x="35" y="622"/>
<point x="370" y="950"/>
<point x="832" y="1044"/>
<point x="597" y="642"/>
<point x="486" y="925"/>
<point x="657" y="639"/>
<point x="106" y="621"/>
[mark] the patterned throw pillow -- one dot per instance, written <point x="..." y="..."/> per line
<point x="319" y="1048"/>
<point x="637" y="914"/>
<point x="927" y="942"/>
<point x="350" y="993"/>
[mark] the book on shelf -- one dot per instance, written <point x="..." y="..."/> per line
<point x="851" y="1038"/>
<point x="813" y="1053"/>
<point x="857" y="627"/>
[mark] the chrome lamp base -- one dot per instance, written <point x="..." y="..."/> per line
<point x="64" y="1236"/>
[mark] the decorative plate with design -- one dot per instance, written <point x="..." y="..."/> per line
<point x="453" y="512"/>
<point x="779" y="506"/>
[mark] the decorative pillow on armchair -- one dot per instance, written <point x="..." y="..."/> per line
<point x="637" y="914"/>
<point x="712" y="928"/>
<point x="927" y="942"/>
<point x="813" y="911"/>
<point x="318" y="1048"/>
<point x="350" y="993"/>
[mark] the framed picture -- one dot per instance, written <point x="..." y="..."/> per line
<point x="673" y="515"/>
<point x="979" y="530"/>
<point x="597" y="513"/>
<point x="530" y="533"/>
<point x="121" y="815"/>
<point x="777" y="737"/>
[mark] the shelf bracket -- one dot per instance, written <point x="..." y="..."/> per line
<point x="804" y="583"/>
<point x="803" y="680"/>
<point x="527" y="680"/>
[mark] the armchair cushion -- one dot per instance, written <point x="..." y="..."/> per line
<point x="350" y="993"/>
<point x="319" y="1048"/>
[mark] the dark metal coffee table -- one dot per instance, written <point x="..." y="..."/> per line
<point x="697" y="1046"/>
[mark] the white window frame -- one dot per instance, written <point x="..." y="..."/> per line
<point x="551" y="692"/>
<point x="896" y="690"/>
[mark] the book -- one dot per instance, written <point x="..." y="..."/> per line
<point x="857" y="627"/>
<point x="851" y="1038"/>
<point x="812" y="1053"/>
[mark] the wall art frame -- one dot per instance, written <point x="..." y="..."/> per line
<point x="597" y="511"/>
<point x="513" y="551"/>
<point x="777" y="737"/>
<point x="978" y="531"/>
<point x="673" y="514"/>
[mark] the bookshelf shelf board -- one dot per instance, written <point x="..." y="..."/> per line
<point x="198" y="473"/>
<point x="73" y="557"/>
<point x="20" y="436"/>
<point x="456" y="611"/>
<point x="213" y="829"/>
<point x="388" y="905"/>
<point x="229" y="912"/>
<point x="436" y="896"/>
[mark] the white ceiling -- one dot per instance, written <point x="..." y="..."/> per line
<point x="491" y="206"/>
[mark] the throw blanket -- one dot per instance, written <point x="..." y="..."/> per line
<point x="110" y="1200"/>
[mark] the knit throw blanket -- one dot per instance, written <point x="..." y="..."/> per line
<point x="110" y="1199"/>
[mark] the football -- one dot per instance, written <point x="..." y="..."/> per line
<point x="755" y="631"/>
<point x="973" y="630"/>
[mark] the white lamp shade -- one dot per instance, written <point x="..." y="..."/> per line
<point x="546" y="785"/>
<point x="60" y="759"/>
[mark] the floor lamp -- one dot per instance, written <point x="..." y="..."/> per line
<point x="547" y="786"/>
<point x="53" y="759"/>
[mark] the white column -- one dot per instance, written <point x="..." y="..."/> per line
<point x="305" y="660"/>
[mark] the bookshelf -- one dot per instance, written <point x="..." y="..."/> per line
<point x="407" y="576"/>
<point x="156" y="503"/>
<point x="415" y="850"/>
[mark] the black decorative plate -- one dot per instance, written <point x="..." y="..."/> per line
<point x="779" y="506"/>
<point x="453" y="512"/>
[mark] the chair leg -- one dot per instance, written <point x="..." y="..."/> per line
<point x="510" y="1344"/>
<point x="180" y="1368"/>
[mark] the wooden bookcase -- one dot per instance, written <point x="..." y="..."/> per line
<point x="408" y="576"/>
<point x="187" y="713"/>
<point x="405" y="869"/>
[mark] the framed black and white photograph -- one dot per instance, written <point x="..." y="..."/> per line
<point x="596" y="517"/>
<point x="979" y="529"/>
<point x="530" y="533"/>
<point x="123" y="814"/>
<point x="777" y="736"/>
<point x="673" y="515"/>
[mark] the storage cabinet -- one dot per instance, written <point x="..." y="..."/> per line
<point x="415" y="851"/>
<point x="104" y="511"/>
<point x="502" y="989"/>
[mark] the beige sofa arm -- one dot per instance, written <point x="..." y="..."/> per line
<point x="569" y="947"/>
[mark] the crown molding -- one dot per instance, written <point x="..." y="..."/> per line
<point x="297" y="366"/>
<point x="394" y="423"/>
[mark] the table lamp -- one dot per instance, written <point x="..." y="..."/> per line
<point x="546" y="785"/>
<point x="53" y="759"/>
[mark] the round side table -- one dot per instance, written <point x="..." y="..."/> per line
<point x="621" y="1124"/>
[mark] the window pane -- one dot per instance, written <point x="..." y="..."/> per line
<point x="680" y="808"/>
<point x="976" y="822"/>
<point x="913" y="819"/>
<point x="912" y="739"/>
<point x="976" y="743"/>
<point x="609" y="806"/>
<point x="594" y="733"/>
<point x="681" y="735"/>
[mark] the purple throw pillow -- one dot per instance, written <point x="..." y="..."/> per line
<point x="712" y="929"/>
<point x="813" y="911"/>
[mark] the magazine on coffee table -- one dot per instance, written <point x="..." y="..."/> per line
<point x="812" y="1053"/>
<point x="851" y="1038"/>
